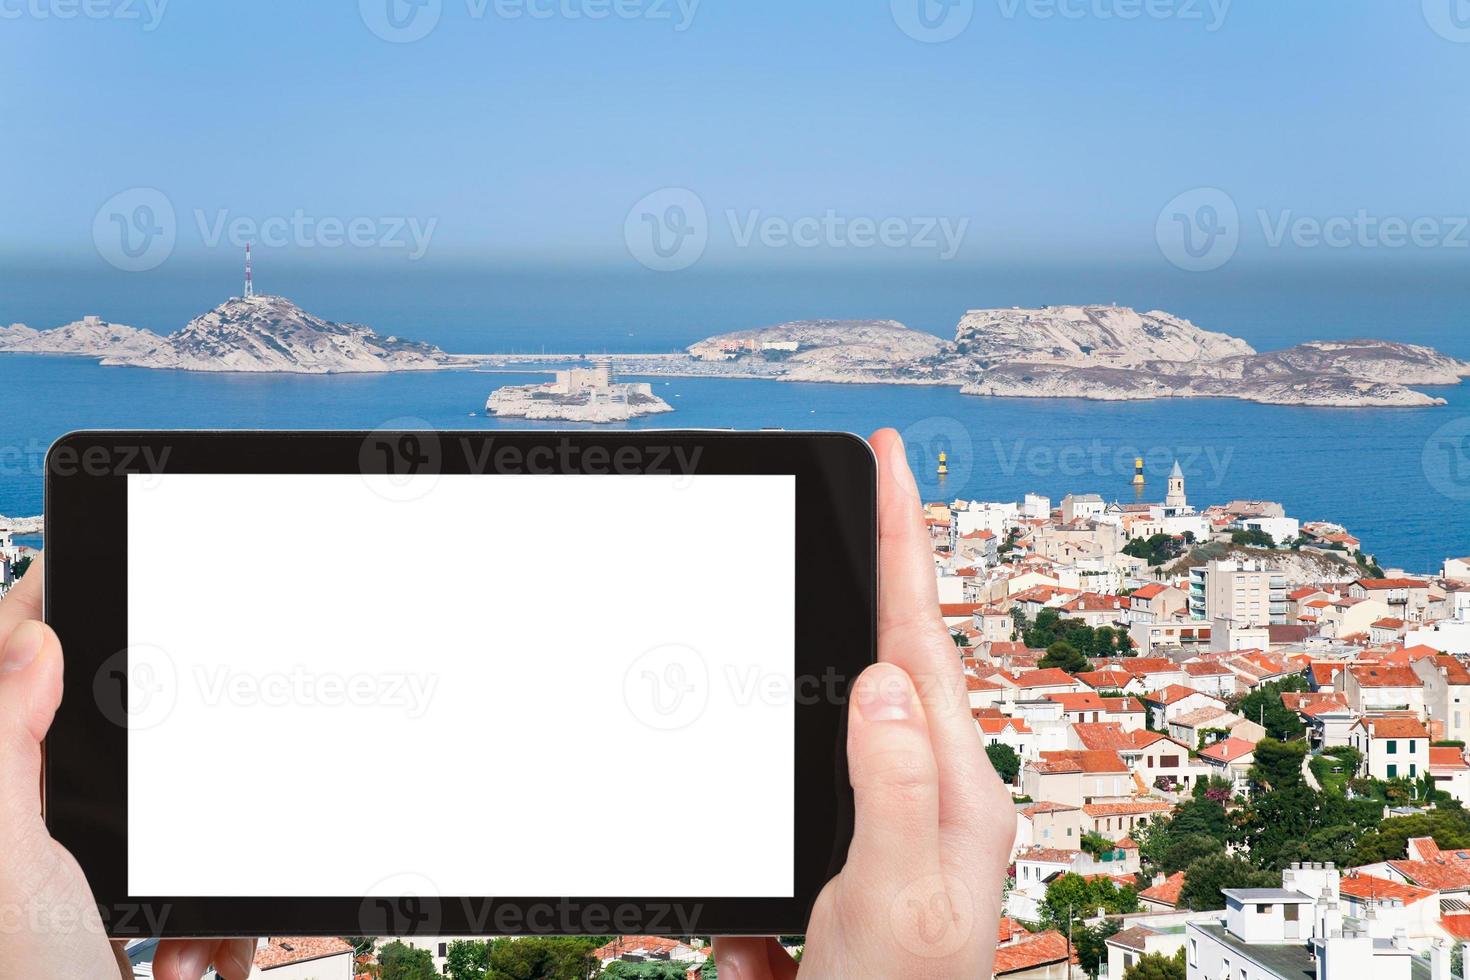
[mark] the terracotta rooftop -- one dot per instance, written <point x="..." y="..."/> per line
<point x="1167" y="891"/>
<point x="1372" y="675"/>
<point x="1228" y="749"/>
<point x="285" y="950"/>
<point x="1083" y="760"/>
<point x="1126" y="809"/>
<point x="1395" y="727"/>
<point x="1373" y="887"/>
<point x="1028" y="954"/>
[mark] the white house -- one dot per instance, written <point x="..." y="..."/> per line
<point x="1393" y="747"/>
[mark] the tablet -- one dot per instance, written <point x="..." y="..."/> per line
<point x="435" y="683"/>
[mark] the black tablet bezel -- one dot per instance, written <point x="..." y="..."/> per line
<point x="85" y="780"/>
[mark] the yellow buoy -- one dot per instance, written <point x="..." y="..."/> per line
<point x="943" y="463"/>
<point x="1138" y="471"/>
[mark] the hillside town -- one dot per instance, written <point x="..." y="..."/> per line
<point x="1236" y="744"/>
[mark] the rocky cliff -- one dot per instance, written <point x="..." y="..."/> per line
<point x="271" y="333"/>
<point x="1099" y="352"/>
<point x="90" y="336"/>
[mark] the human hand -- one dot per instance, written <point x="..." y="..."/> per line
<point x="50" y="928"/>
<point x="920" y="893"/>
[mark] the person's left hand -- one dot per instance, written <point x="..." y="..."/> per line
<point x="50" y="928"/>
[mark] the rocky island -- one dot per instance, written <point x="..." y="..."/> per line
<point x="1099" y="352"/>
<point x="577" y="395"/>
<point x="252" y="333"/>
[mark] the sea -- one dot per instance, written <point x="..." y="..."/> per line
<point x="1397" y="478"/>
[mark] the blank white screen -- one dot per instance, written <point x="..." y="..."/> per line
<point x="457" y="689"/>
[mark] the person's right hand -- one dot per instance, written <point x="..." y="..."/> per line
<point x="920" y="893"/>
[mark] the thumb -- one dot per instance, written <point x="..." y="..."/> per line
<point x="30" y="691"/>
<point x="895" y="781"/>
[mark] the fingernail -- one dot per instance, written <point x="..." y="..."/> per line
<point x="903" y="477"/>
<point x="889" y="697"/>
<point x="193" y="962"/>
<point x="731" y="969"/>
<point x="25" y="642"/>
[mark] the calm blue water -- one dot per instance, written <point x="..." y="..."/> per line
<point x="1392" y="475"/>
<point x="1366" y="468"/>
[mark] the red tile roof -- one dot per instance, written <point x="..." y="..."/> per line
<point x="1392" y="583"/>
<point x="1167" y="891"/>
<point x="284" y="950"/>
<point x="1126" y="809"/>
<point x="1441" y="876"/>
<point x="1358" y="885"/>
<point x="1447" y="757"/>
<point x="1395" y="727"/>
<point x="1048" y="677"/>
<point x="1041" y="949"/>
<point x="1228" y="749"/>
<point x="1174" y="693"/>
<point x="1083" y="760"/>
<point x="1372" y="675"/>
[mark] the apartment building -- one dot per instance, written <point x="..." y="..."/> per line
<point x="1240" y="593"/>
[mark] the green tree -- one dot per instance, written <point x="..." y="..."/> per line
<point x="1007" y="764"/>
<point x="361" y="945"/>
<point x="1448" y="825"/>
<point x="1205" y="877"/>
<point x="397" y="961"/>
<point x="1182" y="850"/>
<point x="1157" y="966"/>
<point x="543" y="958"/>
<point x="1278" y="765"/>
<point x="20" y="566"/>
<point x="1263" y="705"/>
<point x="645" y="971"/>
<point x="1091" y="943"/>
<point x="1063" y="655"/>
<point x="1072" y="897"/>
<point x="1252" y="537"/>
<point x="467" y="959"/>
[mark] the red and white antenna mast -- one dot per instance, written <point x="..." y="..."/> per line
<point x="249" y="281"/>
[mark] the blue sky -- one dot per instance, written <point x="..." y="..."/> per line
<point x="1053" y="134"/>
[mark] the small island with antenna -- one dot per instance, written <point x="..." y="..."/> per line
<point x="577" y="395"/>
